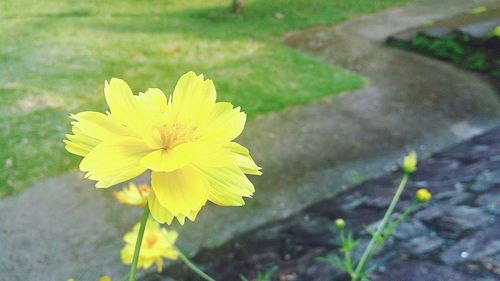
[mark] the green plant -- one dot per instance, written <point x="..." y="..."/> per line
<point x="446" y="48"/>
<point x="262" y="276"/>
<point x="476" y="61"/>
<point x="357" y="177"/>
<point x="385" y="228"/>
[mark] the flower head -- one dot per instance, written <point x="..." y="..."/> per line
<point x="496" y="31"/>
<point x="423" y="195"/>
<point x="156" y="245"/>
<point x="133" y="195"/>
<point x="186" y="140"/>
<point x="340" y="223"/>
<point x="410" y="163"/>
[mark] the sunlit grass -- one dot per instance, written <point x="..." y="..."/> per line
<point x="55" y="56"/>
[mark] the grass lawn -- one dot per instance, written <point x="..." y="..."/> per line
<point x="55" y="56"/>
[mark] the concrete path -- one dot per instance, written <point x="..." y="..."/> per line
<point x="65" y="228"/>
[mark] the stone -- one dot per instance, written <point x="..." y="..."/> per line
<point x="459" y="198"/>
<point x="490" y="201"/>
<point x="423" y="245"/>
<point x="430" y="213"/>
<point x="483" y="244"/>
<point x="480" y="29"/>
<point x="410" y="228"/>
<point x="437" y="32"/>
<point x="405" y="37"/>
<point x="486" y="180"/>
<point x="458" y="219"/>
<point x="419" y="271"/>
<point x="353" y="203"/>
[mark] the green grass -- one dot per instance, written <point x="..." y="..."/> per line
<point x="55" y="56"/>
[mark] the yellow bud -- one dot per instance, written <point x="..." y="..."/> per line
<point x="423" y="195"/>
<point x="410" y="163"/>
<point x="105" y="278"/>
<point x="339" y="223"/>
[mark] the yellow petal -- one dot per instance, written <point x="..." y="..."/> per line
<point x="99" y="126"/>
<point x="158" y="212"/>
<point x="153" y="101"/>
<point x="202" y="153"/>
<point x="124" y="106"/>
<point x="181" y="191"/>
<point x="115" y="161"/>
<point x="228" y="185"/>
<point x="224" y="123"/>
<point x="193" y="98"/>
<point x="159" y="264"/>
<point x="91" y="128"/>
<point x="243" y="159"/>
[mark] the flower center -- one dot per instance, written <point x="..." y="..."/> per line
<point x="173" y="134"/>
<point x="151" y="240"/>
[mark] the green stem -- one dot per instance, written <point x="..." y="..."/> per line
<point x="400" y="219"/>
<point x="192" y="266"/>
<point x="347" y="256"/>
<point x="138" y="242"/>
<point x="381" y="226"/>
<point x="393" y="226"/>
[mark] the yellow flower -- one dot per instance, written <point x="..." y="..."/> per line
<point x="496" y="31"/>
<point x="133" y="195"/>
<point x="186" y="140"/>
<point x="156" y="245"/>
<point x="423" y="195"/>
<point x="410" y="163"/>
<point x="340" y="223"/>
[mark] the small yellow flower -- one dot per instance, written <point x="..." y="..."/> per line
<point x="105" y="278"/>
<point x="496" y="31"/>
<point x="410" y="163"/>
<point x="185" y="140"/>
<point x="423" y="195"/>
<point x="133" y="195"/>
<point x="340" y="223"/>
<point x="156" y="245"/>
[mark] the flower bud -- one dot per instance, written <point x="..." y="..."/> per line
<point x="339" y="223"/>
<point x="410" y="163"/>
<point x="423" y="195"/>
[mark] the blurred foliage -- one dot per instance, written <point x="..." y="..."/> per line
<point x="55" y="56"/>
<point x="262" y="275"/>
<point x="479" y="54"/>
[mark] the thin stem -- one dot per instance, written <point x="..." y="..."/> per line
<point x="393" y="226"/>
<point x="347" y="256"/>
<point x="192" y="266"/>
<point x="138" y="242"/>
<point x="400" y="219"/>
<point x="380" y="228"/>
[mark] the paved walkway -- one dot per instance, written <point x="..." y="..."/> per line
<point x="64" y="227"/>
<point x="456" y="236"/>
